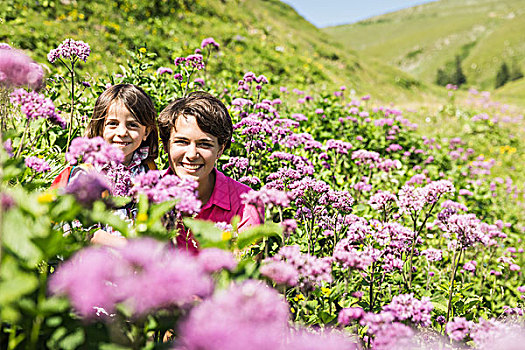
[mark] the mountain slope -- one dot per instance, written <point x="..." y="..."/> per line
<point x="421" y="39"/>
<point x="267" y="37"/>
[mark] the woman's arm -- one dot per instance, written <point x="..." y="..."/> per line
<point x="103" y="238"/>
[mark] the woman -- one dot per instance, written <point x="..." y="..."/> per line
<point x="195" y="132"/>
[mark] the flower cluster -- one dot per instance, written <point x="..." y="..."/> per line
<point x="35" y="105"/>
<point x="466" y="228"/>
<point x="346" y="254"/>
<point x="102" y="278"/>
<point x="160" y="188"/>
<point x="88" y="187"/>
<point x="382" y="200"/>
<point x="266" y="197"/>
<point x="70" y="49"/>
<point x="209" y="41"/>
<point x="194" y="61"/>
<point x="405" y="307"/>
<point x="37" y="164"/>
<point x="245" y="316"/>
<point x="94" y="151"/>
<point x="458" y="328"/>
<point x="309" y="270"/>
<point x="17" y="69"/>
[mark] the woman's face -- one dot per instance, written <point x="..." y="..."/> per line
<point x="193" y="152"/>
<point x="122" y="130"/>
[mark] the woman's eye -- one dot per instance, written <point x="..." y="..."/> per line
<point x="206" y="145"/>
<point x="134" y="125"/>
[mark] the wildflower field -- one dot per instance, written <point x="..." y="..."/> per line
<point x="375" y="236"/>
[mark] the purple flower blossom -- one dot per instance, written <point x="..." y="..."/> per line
<point x="144" y="275"/>
<point x="346" y="315"/>
<point x="280" y="272"/>
<point x="410" y="199"/>
<point x="70" y="49"/>
<point x="164" y="70"/>
<point x="37" y="164"/>
<point x="8" y="147"/>
<point x="405" y="307"/>
<point x="432" y="254"/>
<point x="170" y="187"/>
<point x="307" y="340"/>
<point x="214" y="259"/>
<point x="245" y="316"/>
<point x="289" y="227"/>
<point x="88" y="187"/>
<point x="93" y="151"/>
<point x="34" y="105"/>
<point x="459" y="328"/>
<point x="209" y="41"/>
<point x="178" y="77"/>
<point x="339" y="146"/>
<point x="382" y="200"/>
<point x="311" y="270"/>
<point x="6" y="201"/>
<point x="467" y="229"/>
<point x="364" y="157"/>
<point x="266" y="197"/>
<point x="17" y="70"/>
<point x="348" y="256"/>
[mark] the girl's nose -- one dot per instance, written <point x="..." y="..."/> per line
<point x="122" y="130"/>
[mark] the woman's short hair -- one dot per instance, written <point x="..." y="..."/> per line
<point x="139" y="105"/>
<point x="211" y="115"/>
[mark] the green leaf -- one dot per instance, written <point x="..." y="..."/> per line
<point x="102" y="215"/>
<point x="73" y="341"/>
<point x="17" y="233"/>
<point x="14" y="283"/>
<point x="253" y="234"/>
<point x="206" y="233"/>
<point x="120" y="201"/>
<point x="440" y="306"/>
<point x="326" y="317"/>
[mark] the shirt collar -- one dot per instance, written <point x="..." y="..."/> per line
<point x="221" y="192"/>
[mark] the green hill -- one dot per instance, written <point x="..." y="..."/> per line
<point x="267" y="37"/>
<point x="422" y="39"/>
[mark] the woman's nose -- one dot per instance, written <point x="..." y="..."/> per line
<point x="191" y="151"/>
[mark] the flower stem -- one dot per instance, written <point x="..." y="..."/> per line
<point x="21" y="145"/>
<point x="454" y="270"/>
<point x="70" y="132"/>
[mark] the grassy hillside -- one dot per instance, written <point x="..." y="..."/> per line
<point x="421" y="39"/>
<point x="267" y="37"/>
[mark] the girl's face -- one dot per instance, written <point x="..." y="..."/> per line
<point x="122" y="130"/>
<point x="193" y="152"/>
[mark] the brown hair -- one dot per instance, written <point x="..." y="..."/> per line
<point x="140" y="106"/>
<point x="210" y="113"/>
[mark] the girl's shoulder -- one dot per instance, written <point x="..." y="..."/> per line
<point x="69" y="173"/>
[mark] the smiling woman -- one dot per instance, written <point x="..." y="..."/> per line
<point x="195" y="131"/>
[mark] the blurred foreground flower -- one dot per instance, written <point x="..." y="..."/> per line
<point x="144" y="276"/>
<point x="17" y="69"/>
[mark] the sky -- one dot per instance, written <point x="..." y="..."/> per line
<point x="323" y="13"/>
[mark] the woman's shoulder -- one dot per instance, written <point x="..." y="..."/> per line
<point x="235" y="187"/>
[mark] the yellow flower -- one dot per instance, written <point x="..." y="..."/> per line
<point x="226" y="235"/>
<point x="142" y="217"/>
<point x="142" y="50"/>
<point x="299" y="297"/>
<point x="46" y="197"/>
<point x="326" y="291"/>
<point x="292" y="310"/>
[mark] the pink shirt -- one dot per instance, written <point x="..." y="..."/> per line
<point x="225" y="202"/>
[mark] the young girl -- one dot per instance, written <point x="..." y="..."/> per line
<point x="125" y="117"/>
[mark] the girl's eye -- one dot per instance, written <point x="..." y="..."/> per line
<point x="180" y="142"/>
<point x="206" y="145"/>
<point x="134" y="125"/>
<point x="111" y="122"/>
